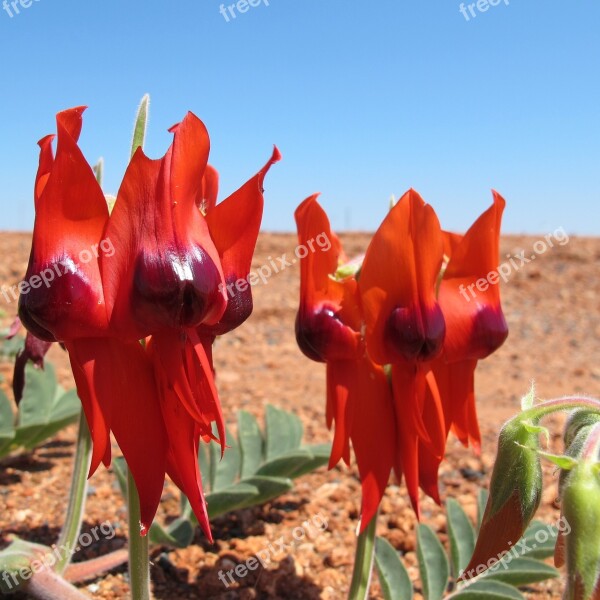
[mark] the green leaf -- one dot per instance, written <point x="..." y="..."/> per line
<point x="205" y="465"/>
<point x="141" y="121"/>
<point x="482" y="498"/>
<point x="528" y="400"/>
<point x="433" y="564"/>
<point x="7" y="419"/>
<point x="462" y="536"/>
<point x="232" y="498"/>
<point x="98" y="169"/>
<point x="283" y="432"/>
<point x="226" y="469"/>
<point x="393" y="577"/>
<point x="488" y="590"/>
<point x="541" y="539"/>
<point x="45" y="408"/>
<point x="18" y="555"/>
<point x="250" y="442"/>
<point x="291" y="464"/>
<point x="268" y="488"/>
<point x="179" y="534"/>
<point x="520" y="571"/>
<point x="119" y="467"/>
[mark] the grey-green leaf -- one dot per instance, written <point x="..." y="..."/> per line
<point x="232" y="498"/>
<point x="7" y="420"/>
<point x="251" y="443"/>
<point x="141" y="122"/>
<point x="45" y="407"/>
<point x="488" y="590"/>
<point x="540" y="540"/>
<point x="227" y="469"/>
<point x="433" y="564"/>
<point x="179" y="534"/>
<point x="393" y="576"/>
<point x="268" y="488"/>
<point x="462" y="536"/>
<point x="520" y="571"/>
<point x="283" y="432"/>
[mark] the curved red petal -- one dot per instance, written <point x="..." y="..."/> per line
<point x="397" y="284"/>
<point x="234" y="225"/>
<point x="182" y="463"/>
<point x="123" y="381"/>
<point x="329" y="319"/>
<point x="62" y="297"/>
<point x="469" y="293"/>
<point x="165" y="270"/>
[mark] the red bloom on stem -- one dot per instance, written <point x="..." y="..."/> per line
<point x="405" y="326"/>
<point x="469" y="295"/>
<point x="164" y="276"/>
<point x="399" y="312"/>
<point x="328" y="330"/>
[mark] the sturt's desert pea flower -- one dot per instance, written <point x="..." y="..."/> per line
<point x="328" y="329"/>
<point x="397" y="312"/>
<point x="173" y="248"/>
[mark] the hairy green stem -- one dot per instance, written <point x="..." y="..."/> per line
<point x="363" y="562"/>
<point x="567" y="403"/>
<point x="139" y="556"/>
<point x="69" y="535"/>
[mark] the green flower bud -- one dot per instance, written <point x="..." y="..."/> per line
<point x="581" y="509"/>
<point x="515" y="494"/>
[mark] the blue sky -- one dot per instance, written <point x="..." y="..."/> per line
<point x="364" y="99"/>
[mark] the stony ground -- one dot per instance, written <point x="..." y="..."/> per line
<point x="552" y="307"/>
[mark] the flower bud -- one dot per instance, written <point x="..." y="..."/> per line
<point x="515" y="494"/>
<point x="581" y="509"/>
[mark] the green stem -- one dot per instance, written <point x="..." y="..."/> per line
<point x="559" y="405"/>
<point x="363" y="562"/>
<point x="69" y="534"/>
<point x="139" y="557"/>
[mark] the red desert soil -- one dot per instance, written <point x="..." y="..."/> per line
<point x="552" y="309"/>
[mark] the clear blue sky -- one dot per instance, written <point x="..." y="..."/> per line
<point x="365" y="98"/>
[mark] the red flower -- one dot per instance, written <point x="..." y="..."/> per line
<point x="328" y="330"/>
<point x="405" y="326"/>
<point x="399" y="313"/>
<point x="165" y="276"/>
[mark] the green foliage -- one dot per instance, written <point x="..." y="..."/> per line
<point x="256" y="468"/>
<point x="522" y="567"/>
<point x="44" y="410"/>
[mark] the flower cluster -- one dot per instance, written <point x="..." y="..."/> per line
<point x="399" y="341"/>
<point x="139" y="324"/>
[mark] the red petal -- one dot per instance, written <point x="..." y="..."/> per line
<point x="474" y="321"/>
<point x="165" y="270"/>
<point x="373" y="434"/>
<point x="210" y="189"/>
<point x="121" y="378"/>
<point x="234" y="225"/>
<point x="182" y="464"/>
<point x="397" y="284"/>
<point x="65" y="299"/>
<point x="329" y="319"/>
<point x="412" y="401"/>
